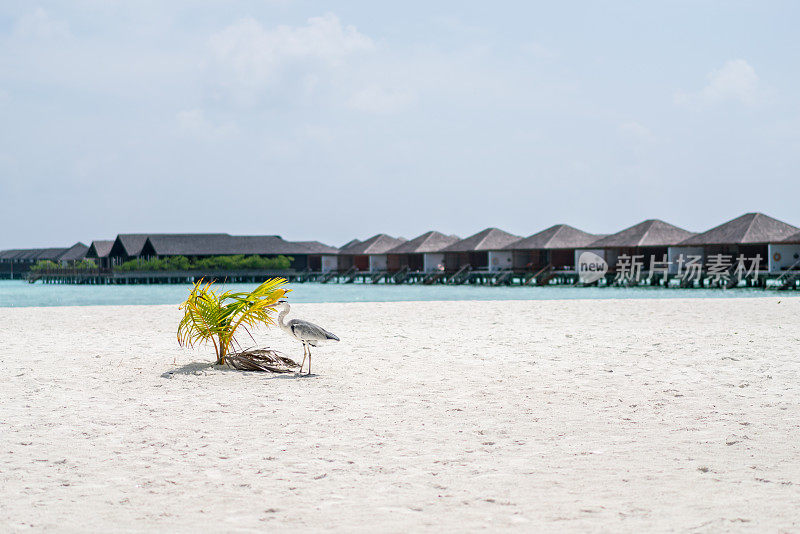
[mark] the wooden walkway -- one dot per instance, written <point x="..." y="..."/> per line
<point x="91" y="277"/>
<point x="789" y="280"/>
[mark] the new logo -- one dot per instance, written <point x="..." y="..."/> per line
<point x="591" y="267"/>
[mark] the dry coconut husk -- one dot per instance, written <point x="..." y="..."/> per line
<point x="268" y="360"/>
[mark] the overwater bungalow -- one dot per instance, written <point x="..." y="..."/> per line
<point x="208" y="245"/>
<point x="347" y="261"/>
<point x="369" y="255"/>
<point x="15" y="263"/>
<point x="650" y="238"/>
<point x="129" y="247"/>
<point x="749" y="235"/>
<point x="423" y="253"/>
<point x="484" y="251"/>
<point x="99" y="251"/>
<point x="76" y="252"/>
<point x="551" y="248"/>
<point x="785" y="255"/>
<point x="322" y="258"/>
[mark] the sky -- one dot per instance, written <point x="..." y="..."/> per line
<point x="339" y="120"/>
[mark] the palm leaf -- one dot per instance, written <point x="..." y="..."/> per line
<point x="209" y="316"/>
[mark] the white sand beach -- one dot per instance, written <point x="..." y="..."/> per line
<point x="604" y="415"/>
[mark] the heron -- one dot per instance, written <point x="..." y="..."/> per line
<point x="307" y="333"/>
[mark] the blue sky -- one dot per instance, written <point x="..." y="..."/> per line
<point x="343" y="119"/>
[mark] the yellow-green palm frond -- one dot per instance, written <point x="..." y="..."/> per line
<point x="254" y="308"/>
<point x="209" y="316"/>
<point x="203" y="317"/>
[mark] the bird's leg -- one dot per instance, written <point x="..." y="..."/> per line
<point x="304" y="359"/>
<point x="305" y="347"/>
<point x="309" y="359"/>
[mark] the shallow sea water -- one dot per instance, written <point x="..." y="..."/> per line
<point x="14" y="293"/>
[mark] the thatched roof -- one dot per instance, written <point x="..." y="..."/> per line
<point x="750" y="228"/>
<point x="11" y="254"/>
<point x="794" y="238"/>
<point x="33" y="254"/>
<point x="315" y="247"/>
<point x="128" y="244"/>
<point x="74" y="253"/>
<point x="428" y="242"/>
<point x="377" y="244"/>
<point x="219" y="245"/>
<point x="489" y="239"/>
<point x="99" y="248"/>
<point x="649" y="233"/>
<point x="132" y="244"/>
<point x="560" y="236"/>
<point x="212" y="245"/>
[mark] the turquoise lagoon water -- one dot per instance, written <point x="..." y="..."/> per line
<point x="15" y="293"/>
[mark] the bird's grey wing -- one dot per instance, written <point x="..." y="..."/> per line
<point x="310" y="332"/>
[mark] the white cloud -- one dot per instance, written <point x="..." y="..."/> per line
<point x="326" y="63"/>
<point x="736" y="81"/>
<point x="251" y="56"/>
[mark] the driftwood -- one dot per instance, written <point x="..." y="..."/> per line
<point x="261" y="360"/>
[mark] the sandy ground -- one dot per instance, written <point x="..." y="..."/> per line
<point x="621" y="416"/>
